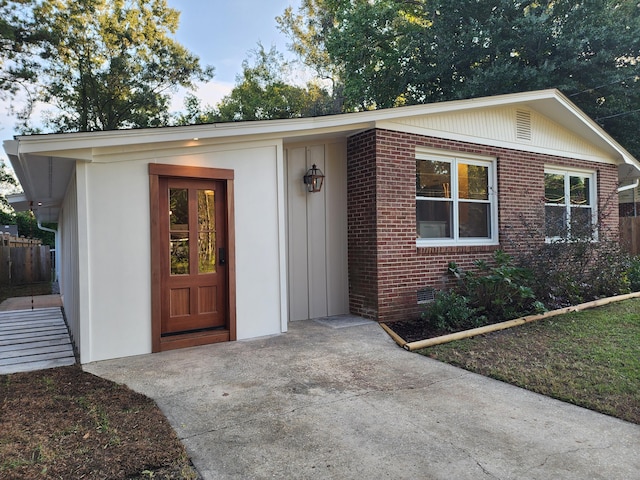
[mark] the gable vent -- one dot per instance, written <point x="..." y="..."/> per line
<point x="426" y="295"/>
<point x="523" y="125"/>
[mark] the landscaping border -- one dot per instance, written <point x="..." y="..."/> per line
<point x="429" y="342"/>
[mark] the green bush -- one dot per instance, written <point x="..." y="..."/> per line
<point x="451" y="312"/>
<point x="571" y="272"/>
<point x="633" y="274"/>
<point x="500" y="291"/>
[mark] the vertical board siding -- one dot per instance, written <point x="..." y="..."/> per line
<point x="69" y="267"/>
<point x="316" y="239"/>
<point x="317" y="233"/>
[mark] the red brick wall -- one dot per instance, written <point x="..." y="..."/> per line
<point x="362" y="234"/>
<point x="386" y="268"/>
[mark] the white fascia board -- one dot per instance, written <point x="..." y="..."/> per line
<point x="286" y="128"/>
<point x="83" y="145"/>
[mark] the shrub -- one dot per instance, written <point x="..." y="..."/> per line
<point x="451" y="312"/>
<point x="633" y="273"/>
<point x="501" y="291"/>
<point x="571" y="272"/>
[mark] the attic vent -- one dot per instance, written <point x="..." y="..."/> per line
<point x="426" y="295"/>
<point x="523" y="125"/>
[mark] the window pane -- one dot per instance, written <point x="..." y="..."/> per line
<point x="555" y="222"/>
<point x="554" y="188"/>
<point x="579" y="190"/>
<point x="206" y="231"/>
<point x="178" y="209"/>
<point x="434" y="219"/>
<point x="474" y="220"/>
<point x="206" y="252"/>
<point x="581" y="222"/>
<point x="433" y="179"/>
<point x="206" y="210"/>
<point x="473" y="182"/>
<point x="179" y="253"/>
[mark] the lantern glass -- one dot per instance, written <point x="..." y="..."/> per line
<point x="313" y="179"/>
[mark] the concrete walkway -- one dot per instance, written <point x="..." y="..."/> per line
<point x="339" y="400"/>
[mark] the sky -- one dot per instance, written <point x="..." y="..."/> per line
<point x="221" y="33"/>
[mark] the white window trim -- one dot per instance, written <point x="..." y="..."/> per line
<point x="593" y="196"/>
<point x="471" y="159"/>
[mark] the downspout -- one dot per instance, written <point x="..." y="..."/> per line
<point x="629" y="187"/>
<point x="55" y="232"/>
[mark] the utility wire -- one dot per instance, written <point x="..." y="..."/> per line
<point x="588" y="90"/>
<point x="618" y="115"/>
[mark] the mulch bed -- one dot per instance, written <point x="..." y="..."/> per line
<point x="414" y="330"/>
<point x="66" y="423"/>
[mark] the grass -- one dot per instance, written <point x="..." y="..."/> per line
<point x="11" y="291"/>
<point x="589" y="358"/>
<point x="66" y="423"/>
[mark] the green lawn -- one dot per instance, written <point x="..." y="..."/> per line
<point x="590" y="358"/>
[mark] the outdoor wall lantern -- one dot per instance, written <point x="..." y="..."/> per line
<point x="313" y="179"/>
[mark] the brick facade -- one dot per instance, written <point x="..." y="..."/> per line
<point x="386" y="268"/>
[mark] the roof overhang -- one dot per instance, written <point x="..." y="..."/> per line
<point x="44" y="163"/>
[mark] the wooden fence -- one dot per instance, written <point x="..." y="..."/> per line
<point x="23" y="261"/>
<point x="7" y="240"/>
<point x="630" y="234"/>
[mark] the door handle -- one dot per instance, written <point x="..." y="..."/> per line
<point x="222" y="256"/>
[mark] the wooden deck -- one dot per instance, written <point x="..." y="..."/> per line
<point x="34" y="340"/>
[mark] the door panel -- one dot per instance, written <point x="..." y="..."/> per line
<point x="193" y="269"/>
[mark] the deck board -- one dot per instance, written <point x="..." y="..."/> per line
<point x="34" y="340"/>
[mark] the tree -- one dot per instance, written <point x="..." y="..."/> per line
<point x="20" y="38"/>
<point x="396" y="52"/>
<point x="112" y="64"/>
<point x="307" y="31"/>
<point x="261" y="93"/>
<point x="7" y="183"/>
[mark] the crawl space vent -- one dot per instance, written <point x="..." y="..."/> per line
<point x="426" y="295"/>
<point x="523" y="125"/>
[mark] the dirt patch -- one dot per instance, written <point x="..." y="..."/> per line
<point x="67" y="423"/>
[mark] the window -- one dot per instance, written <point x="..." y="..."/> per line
<point x="570" y="199"/>
<point x="455" y="200"/>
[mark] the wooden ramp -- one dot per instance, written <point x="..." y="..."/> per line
<point x="34" y="340"/>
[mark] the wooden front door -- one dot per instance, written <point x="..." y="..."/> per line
<point x="194" y="269"/>
<point x="192" y="257"/>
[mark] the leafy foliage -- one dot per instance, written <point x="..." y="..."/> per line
<point x="20" y="40"/>
<point x="7" y="182"/>
<point x="633" y="274"/>
<point x="262" y="92"/>
<point x="112" y="64"/>
<point x="386" y="53"/>
<point x="451" y="312"/>
<point x="500" y="291"/>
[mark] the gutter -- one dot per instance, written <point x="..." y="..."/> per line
<point x="629" y="187"/>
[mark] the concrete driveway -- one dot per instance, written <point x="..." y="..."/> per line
<point x="339" y="400"/>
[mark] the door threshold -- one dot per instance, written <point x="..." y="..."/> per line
<point x="193" y="339"/>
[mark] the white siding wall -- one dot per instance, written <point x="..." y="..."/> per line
<point x="68" y="253"/>
<point x="119" y="237"/>
<point x="317" y="233"/>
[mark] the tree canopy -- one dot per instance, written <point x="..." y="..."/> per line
<point x="396" y="52"/>
<point x="111" y="64"/>
<point x="262" y="92"/>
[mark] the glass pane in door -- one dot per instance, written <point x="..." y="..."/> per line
<point x="179" y="231"/>
<point x="206" y="231"/>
